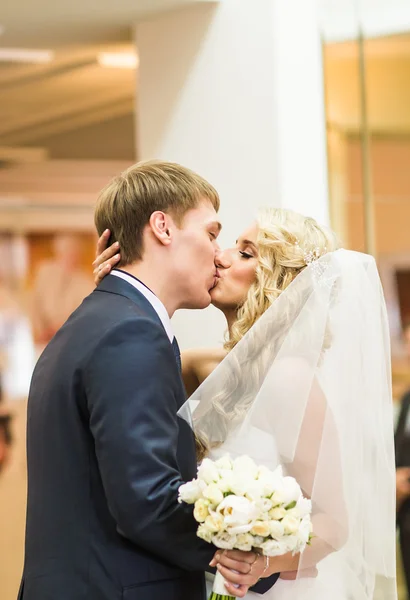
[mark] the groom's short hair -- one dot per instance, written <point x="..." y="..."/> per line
<point x="126" y="204"/>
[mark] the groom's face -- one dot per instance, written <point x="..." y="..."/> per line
<point x="194" y="251"/>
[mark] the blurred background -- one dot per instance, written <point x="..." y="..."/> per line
<point x="303" y="104"/>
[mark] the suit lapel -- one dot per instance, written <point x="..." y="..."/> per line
<point x="116" y="285"/>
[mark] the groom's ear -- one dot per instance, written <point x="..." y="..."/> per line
<point x="161" y="225"/>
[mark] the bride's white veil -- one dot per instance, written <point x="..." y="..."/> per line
<point x="308" y="387"/>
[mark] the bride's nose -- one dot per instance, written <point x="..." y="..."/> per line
<point x="222" y="259"/>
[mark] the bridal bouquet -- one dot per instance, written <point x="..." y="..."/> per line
<point x="242" y="506"/>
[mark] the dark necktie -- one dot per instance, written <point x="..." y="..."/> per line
<point x="177" y="352"/>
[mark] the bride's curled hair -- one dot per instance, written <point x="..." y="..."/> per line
<point x="287" y="241"/>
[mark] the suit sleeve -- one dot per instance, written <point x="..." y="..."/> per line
<point x="264" y="585"/>
<point x="132" y="390"/>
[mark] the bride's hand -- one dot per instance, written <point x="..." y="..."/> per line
<point x="240" y="570"/>
<point x="106" y="258"/>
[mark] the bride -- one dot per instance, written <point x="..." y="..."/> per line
<point x="303" y="381"/>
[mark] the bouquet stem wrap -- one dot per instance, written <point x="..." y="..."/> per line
<point x="219" y="589"/>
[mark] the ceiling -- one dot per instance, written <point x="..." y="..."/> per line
<point x="71" y="92"/>
<point x="72" y="102"/>
<point x="52" y="23"/>
<point x="41" y="103"/>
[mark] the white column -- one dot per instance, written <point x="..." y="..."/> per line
<point x="234" y="90"/>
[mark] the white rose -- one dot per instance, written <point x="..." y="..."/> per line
<point x="276" y="482"/>
<point x="189" y="492"/>
<point x="261" y="528"/>
<point x="304" y="507"/>
<point x="214" y="522"/>
<point x="239" y="514"/>
<point x="294" y="512"/>
<point x="224" y="540"/>
<point x="244" y="464"/>
<point x="204" y="533"/>
<point x="268" y="486"/>
<point x="213" y="494"/>
<point x="273" y="548"/>
<point x="226" y="481"/>
<point x="277" y="530"/>
<point x="240" y="483"/>
<point x="257" y="541"/>
<point x="304" y="531"/>
<point x="255" y="491"/>
<point x="291" y="490"/>
<point x="245" y="542"/>
<point x="276" y="514"/>
<point x="268" y="480"/>
<point x="264" y="517"/>
<point x="264" y="505"/>
<point x="278" y="497"/>
<point x="290" y="543"/>
<point x="263" y="472"/>
<point x="201" y="510"/>
<point x="208" y="472"/>
<point x="290" y="524"/>
<point x="224" y="463"/>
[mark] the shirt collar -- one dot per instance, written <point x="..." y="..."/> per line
<point x="151" y="297"/>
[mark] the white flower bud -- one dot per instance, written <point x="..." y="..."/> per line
<point x="224" y="463"/>
<point x="213" y="494"/>
<point x="224" y="540"/>
<point x="291" y="490"/>
<point x="189" y="492"/>
<point x="290" y="525"/>
<point x="214" y="522"/>
<point x="208" y="472"/>
<point x="204" y="533"/>
<point x="238" y="513"/>
<point x="278" y="513"/>
<point x="276" y="529"/>
<point x="244" y="542"/>
<point x="201" y="510"/>
<point x="261" y="528"/>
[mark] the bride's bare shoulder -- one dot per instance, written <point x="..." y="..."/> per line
<point x="201" y="359"/>
<point x="198" y="363"/>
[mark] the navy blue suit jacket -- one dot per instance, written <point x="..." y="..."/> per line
<point x="106" y="456"/>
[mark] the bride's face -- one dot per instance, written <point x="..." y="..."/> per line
<point x="237" y="271"/>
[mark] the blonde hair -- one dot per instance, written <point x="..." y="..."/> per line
<point x="126" y="204"/>
<point x="286" y="241"/>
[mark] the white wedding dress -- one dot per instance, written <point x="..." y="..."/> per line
<point x="309" y="388"/>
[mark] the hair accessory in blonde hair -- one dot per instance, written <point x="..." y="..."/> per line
<point x="312" y="255"/>
<point x="319" y="269"/>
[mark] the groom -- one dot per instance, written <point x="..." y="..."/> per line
<point x="106" y="451"/>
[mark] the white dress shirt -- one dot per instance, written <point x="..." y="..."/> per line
<point x="152" y="299"/>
